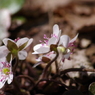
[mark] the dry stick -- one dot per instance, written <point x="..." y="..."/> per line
<point x="48" y="65"/>
<point x="77" y="69"/>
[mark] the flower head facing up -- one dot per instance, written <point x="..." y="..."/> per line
<point x="5" y="72"/>
<point x="44" y="47"/>
<point x="15" y="48"/>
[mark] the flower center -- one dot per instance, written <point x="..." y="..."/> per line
<point x="6" y="71"/>
<point x="14" y="51"/>
<point x="62" y="49"/>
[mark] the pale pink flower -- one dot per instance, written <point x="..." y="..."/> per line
<point x="6" y="74"/>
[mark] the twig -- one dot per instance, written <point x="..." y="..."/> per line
<point x="77" y="69"/>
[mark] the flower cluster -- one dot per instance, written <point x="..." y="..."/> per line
<point x="49" y="47"/>
<point x="10" y="50"/>
<point x="59" y="43"/>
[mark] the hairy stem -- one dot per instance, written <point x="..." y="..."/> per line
<point x="15" y="65"/>
<point x="48" y="65"/>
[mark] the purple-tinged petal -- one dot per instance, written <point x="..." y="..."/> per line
<point x="74" y="39"/>
<point x="22" y="55"/>
<point x="64" y="40"/>
<point x="3" y="51"/>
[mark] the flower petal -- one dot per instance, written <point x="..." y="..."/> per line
<point x="67" y="55"/>
<point x="29" y="42"/>
<point x="2" y="83"/>
<point x="39" y="59"/>
<point x="22" y="55"/>
<point x="35" y="65"/>
<point x="74" y="39"/>
<point x="3" y="51"/>
<point x="52" y="40"/>
<point x="64" y="40"/>
<point x="36" y="47"/>
<point x="5" y="41"/>
<point x="56" y="30"/>
<point x="35" y="52"/>
<point x="22" y="41"/>
<point x="10" y="78"/>
<point x="41" y="49"/>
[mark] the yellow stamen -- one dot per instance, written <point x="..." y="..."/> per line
<point x="6" y="71"/>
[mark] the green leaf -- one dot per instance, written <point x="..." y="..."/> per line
<point x="12" y="5"/>
<point x="22" y="46"/>
<point x="12" y="47"/>
<point x="73" y="92"/>
<point x="92" y="89"/>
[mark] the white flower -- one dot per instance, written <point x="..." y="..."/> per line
<point x="67" y="46"/>
<point x="66" y="42"/>
<point x="63" y="44"/>
<point x="5" y="72"/>
<point x="45" y="58"/>
<point x="45" y="46"/>
<point x="15" y="48"/>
